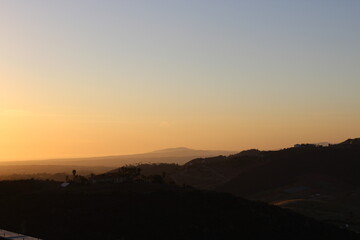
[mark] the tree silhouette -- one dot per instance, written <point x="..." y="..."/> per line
<point x="74" y="174"/>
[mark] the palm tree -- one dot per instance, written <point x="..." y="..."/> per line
<point x="74" y="174"/>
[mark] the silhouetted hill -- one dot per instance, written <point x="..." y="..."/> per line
<point x="287" y="166"/>
<point x="147" y="211"/>
<point x="211" y="172"/>
<point x="350" y="142"/>
<point x="308" y="172"/>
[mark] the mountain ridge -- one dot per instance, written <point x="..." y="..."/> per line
<point x="178" y="155"/>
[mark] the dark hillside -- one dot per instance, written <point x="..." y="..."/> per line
<point x="147" y="211"/>
<point x="208" y="173"/>
<point x="287" y="166"/>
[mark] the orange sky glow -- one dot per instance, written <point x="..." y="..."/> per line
<point x="96" y="79"/>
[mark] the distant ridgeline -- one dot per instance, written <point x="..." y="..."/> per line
<point x="251" y="166"/>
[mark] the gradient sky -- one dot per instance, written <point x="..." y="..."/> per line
<point x="85" y="77"/>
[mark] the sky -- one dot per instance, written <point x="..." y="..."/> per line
<point x="100" y="77"/>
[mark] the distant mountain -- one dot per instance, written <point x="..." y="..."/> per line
<point x="172" y="150"/>
<point x="171" y="155"/>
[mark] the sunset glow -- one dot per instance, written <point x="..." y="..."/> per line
<point x="98" y="79"/>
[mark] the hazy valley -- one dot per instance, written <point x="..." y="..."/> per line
<point x="57" y="169"/>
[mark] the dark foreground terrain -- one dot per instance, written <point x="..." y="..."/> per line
<point x="147" y="211"/>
